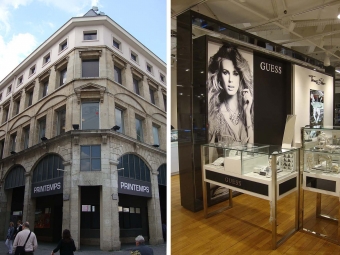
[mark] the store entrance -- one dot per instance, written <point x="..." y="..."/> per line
<point x="17" y="204"/>
<point x="48" y="218"/>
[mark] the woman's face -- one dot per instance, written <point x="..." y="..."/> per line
<point x="230" y="76"/>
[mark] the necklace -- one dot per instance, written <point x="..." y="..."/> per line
<point x="234" y="116"/>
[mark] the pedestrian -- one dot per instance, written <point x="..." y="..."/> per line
<point x="27" y="239"/>
<point x="17" y="229"/>
<point x="141" y="247"/>
<point x="66" y="244"/>
<point x="9" y="237"/>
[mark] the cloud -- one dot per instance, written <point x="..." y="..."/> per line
<point x="5" y="12"/>
<point x="74" y="7"/>
<point x="15" y="51"/>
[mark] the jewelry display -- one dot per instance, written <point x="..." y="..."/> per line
<point x="234" y="116"/>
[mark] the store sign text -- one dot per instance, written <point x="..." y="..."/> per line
<point x="270" y="68"/>
<point x="48" y="187"/>
<point x="233" y="181"/>
<point x="134" y="187"/>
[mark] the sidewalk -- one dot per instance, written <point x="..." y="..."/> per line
<point x="46" y="248"/>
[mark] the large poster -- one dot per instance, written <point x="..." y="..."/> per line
<point x="230" y="99"/>
<point x="316" y="108"/>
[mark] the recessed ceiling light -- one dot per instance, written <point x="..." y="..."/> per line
<point x="202" y="72"/>
<point x="187" y="70"/>
<point x="180" y="94"/>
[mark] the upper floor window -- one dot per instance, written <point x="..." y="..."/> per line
<point x="90" y="115"/>
<point x="139" y="129"/>
<point x="5" y="113"/>
<point x="90" y="35"/>
<point x="32" y="70"/>
<point x="63" y="45"/>
<point x="47" y="58"/>
<point x="162" y="77"/>
<point x="13" y="142"/>
<point x="2" y="144"/>
<point x="0" y="96"/>
<point x="44" y="88"/>
<point x="61" y="119"/>
<point x="134" y="56"/>
<point x="90" y="68"/>
<point x="149" y="68"/>
<point x="117" y="75"/>
<point x="9" y="89"/>
<point x="26" y="136"/>
<point x="16" y="106"/>
<point x="152" y="95"/>
<point x="119" y="114"/>
<point x="136" y="85"/>
<point x="20" y="80"/>
<point x="62" y="79"/>
<point x="155" y="134"/>
<point x="164" y="100"/>
<point x="29" y="97"/>
<point x="42" y="128"/>
<point x="116" y="43"/>
<point x="90" y="158"/>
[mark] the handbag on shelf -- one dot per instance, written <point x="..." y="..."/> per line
<point x="20" y="250"/>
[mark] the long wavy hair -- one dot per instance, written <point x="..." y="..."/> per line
<point x="217" y="92"/>
<point x="67" y="235"/>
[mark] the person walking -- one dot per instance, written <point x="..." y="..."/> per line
<point x="9" y="237"/>
<point x="66" y="244"/>
<point x="141" y="247"/>
<point x="17" y="229"/>
<point x="27" y="239"/>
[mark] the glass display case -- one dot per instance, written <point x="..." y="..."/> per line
<point x="264" y="171"/>
<point x="321" y="176"/>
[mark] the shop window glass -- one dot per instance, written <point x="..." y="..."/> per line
<point x="134" y="167"/>
<point x="47" y="167"/>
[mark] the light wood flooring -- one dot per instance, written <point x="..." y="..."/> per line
<point x="245" y="228"/>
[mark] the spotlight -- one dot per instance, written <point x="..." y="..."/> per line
<point x="339" y="13"/>
<point x="116" y="128"/>
<point x="327" y="61"/>
<point x="44" y="139"/>
<point x="155" y="145"/>
<point x="13" y="152"/>
<point x="75" y="126"/>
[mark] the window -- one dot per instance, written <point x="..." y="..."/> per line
<point x="139" y="129"/>
<point x="29" y="97"/>
<point x="129" y="217"/>
<point x="9" y="89"/>
<point x="134" y="56"/>
<point x="32" y="70"/>
<point x="44" y="88"/>
<point x="20" y="80"/>
<point x="16" y="106"/>
<point x="47" y="58"/>
<point x="90" y="35"/>
<point x="155" y="134"/>
<point x="149" y="68"/>
<point x="152" y="95"/>
<point x="90" y="115"/>
<point x="162" y="77"/>
<point x="42" y="128"/>
<point x="26" y="136"/>
<point x="116" y="44"/>
<point x="90" y="68"/>
<point x="119" y="114"/>
<point x="63" y="74"/>
<point x="90" y="158"/>
<point x="2" y="143"/>
<point x="61" y="116"/>
<point x="5" y="113"/>
<point x="164" y="100"/>
<point x="117" y="75"/>
<point x="1" y="97"/>
<point x="13" y="141"/>
<point x="136" y="86"/>
<point x="63" y="46"/>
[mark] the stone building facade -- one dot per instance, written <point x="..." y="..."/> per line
<point x="65" y="163"/>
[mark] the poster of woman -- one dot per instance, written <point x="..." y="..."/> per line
<point x="230" y="98"/>
<point x="316" y="108"/>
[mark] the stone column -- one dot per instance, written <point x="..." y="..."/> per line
<point x="154" y="213"/>
<point x="29" y="202"/>
<point x="5" y="208"/>
<point x="66" y="195"/>
<point x="74" y="215"/>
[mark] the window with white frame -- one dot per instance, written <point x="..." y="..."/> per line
<point x="47" y="58"/>
<point x="155" y="133"/>
<point x="149" y="68"/>
<point x="63" y="45"/>
<point x="90" y="35"/>
<point x="116" y="44"/>
<point x="90" y="158"/>
<point x="119" y="115"/>
<point x="139" y="129"/>
<point x="90" y="115"/>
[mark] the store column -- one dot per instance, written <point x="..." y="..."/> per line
<point x="5" y="199"/>
<point x="114" y="220"/>
<point x="66" y="195"/>
<point x="154" y="213"/>
<point x="29" y="202"/>
<point x="74" y="214"/>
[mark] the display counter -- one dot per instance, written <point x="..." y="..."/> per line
<point x="174" y="152"/>
<point x="321" y="175"/>
<point x="264" y="171"/>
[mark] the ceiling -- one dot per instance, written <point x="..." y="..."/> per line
<point x="308" y="26"/>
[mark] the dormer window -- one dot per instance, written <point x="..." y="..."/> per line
<point x="90" y="35"/>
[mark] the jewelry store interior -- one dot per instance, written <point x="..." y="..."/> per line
<point x="255" y="139"/>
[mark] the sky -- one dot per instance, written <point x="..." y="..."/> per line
<point x="25" y="24"/>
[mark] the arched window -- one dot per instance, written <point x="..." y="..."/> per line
<point x="162" y="175"/>
<point x="47" y="167"/>
<point x="134" y="168"/>
<point x="15" y="178"/>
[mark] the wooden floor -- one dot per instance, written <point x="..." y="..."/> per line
<point x="245" y="228"/>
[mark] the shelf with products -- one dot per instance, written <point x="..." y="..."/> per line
<point x="264" y="171"/>
<point x="321" y="173"/>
